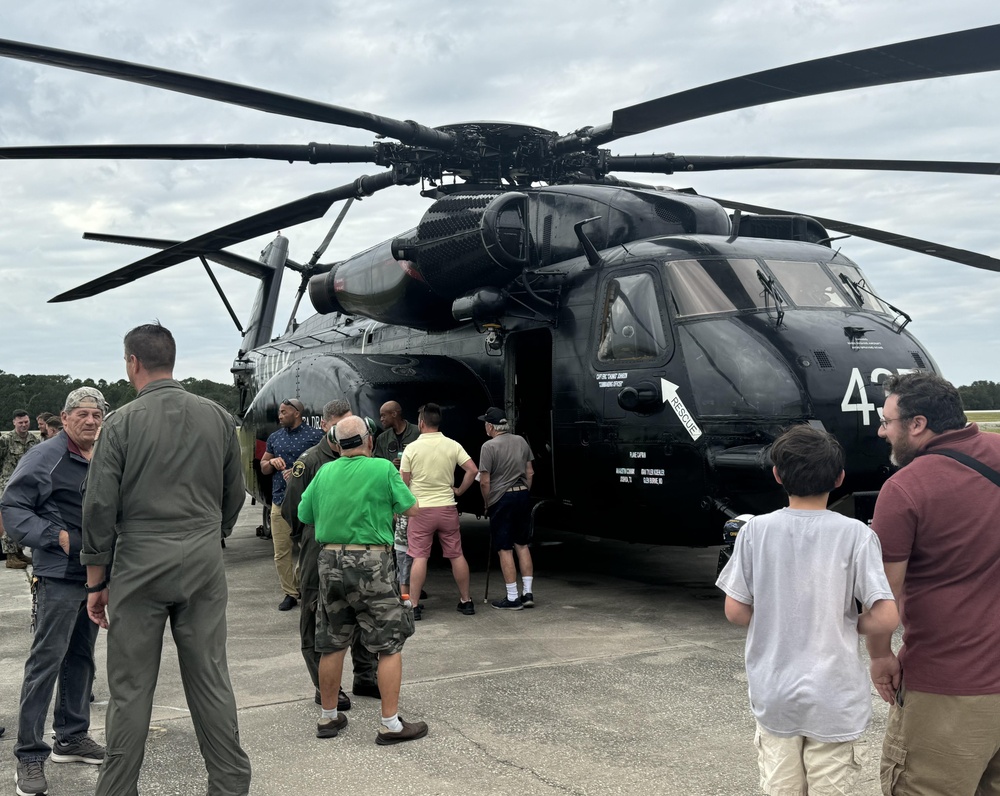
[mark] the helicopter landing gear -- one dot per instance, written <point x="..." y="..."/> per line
<point x="264" y="529"/>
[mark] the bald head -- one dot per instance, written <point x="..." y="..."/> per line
<point x="354" y="432"/>
<point x="391" y="416"/>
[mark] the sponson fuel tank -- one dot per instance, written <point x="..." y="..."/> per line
<point x="486" y="239"/>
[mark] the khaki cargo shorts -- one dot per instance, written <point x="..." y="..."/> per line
<point x="799" y="765"/>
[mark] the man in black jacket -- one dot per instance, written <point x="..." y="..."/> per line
<point x="42" y="508"/>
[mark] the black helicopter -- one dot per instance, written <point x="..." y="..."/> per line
<point x="648" y="344"/>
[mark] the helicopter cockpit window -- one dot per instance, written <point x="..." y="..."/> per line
<point x="807" y="284"/>
<point x="633" y="323"/>
<point x="858" y="287"/>
<point x="709" y="286"/>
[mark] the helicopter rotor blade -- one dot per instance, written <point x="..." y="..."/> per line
<point x="237" y="262"/>
<point x="671" y="164"/>
<point x="408" y="132"/>
<point x="961" y="53"/>
<point x="309" y="153"/>
<point x="963" y="256"/>
<point x="287" y="215"/>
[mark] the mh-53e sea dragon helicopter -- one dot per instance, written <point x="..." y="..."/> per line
<point x="649" y="345"/>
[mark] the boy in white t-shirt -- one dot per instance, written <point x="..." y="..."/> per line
<point x="796" y="578"/>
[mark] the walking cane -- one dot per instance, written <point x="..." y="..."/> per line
<point x="489" y="560"/>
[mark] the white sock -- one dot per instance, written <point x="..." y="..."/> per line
<point x="527" y="584"/>
<point x="392" y="723"/>
<point x="328" y="714"/>
<point x="511" y="591"/>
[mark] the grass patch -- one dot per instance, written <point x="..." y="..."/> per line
<point x="983" y="415"/>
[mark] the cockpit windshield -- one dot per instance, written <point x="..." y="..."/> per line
<point x="713" y="286"/>
<point x="856" y="284"/>
<point x="807" y="284"/>
<point x="710" y="286"/>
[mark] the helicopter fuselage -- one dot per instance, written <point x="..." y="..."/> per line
<point x="651" y="390"/>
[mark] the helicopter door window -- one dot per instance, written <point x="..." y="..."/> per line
<point x="807" y="284"/>
<point x="710" y="286"/>
<point x="632" y="328"/>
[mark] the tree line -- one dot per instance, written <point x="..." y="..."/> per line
<point x="981" y="395"/>
<point x="37" y="393"/>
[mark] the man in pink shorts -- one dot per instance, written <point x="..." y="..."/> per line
<point x="428" y="469"/>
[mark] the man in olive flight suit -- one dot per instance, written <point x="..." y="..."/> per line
<point x="365" y="662"/>
<point x="164" y="485"/>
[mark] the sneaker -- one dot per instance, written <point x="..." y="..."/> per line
<point x="328" y="728"/>
<point x="288" y="603"/>
<point x="418" y="613"/>
<point x="528" y="600"/>
<point x="82" y="750"/>
<point x="507" y="605"/>
<point x="466" y="608"/>
<point x="31" y="778"/>
<point x="367" y="690"/>
<point x="410" y="732"/>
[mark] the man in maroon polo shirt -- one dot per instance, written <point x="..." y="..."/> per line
<point x="936" y="520"/>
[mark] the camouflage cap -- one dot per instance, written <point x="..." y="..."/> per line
<point x="87" y="397"/>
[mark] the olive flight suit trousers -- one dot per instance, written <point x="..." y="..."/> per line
<point x="176" y="577"/>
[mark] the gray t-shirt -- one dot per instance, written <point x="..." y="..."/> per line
<point x="802" y="571"/>
<point x="505" y="458"/>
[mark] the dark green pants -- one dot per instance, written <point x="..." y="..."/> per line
<point x="177" y="578"/>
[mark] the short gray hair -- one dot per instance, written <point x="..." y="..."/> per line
<point x="336" y="408"/>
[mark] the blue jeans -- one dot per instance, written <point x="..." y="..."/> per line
<point x="62" y="653"/>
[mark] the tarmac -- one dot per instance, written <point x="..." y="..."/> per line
<point x="624" y="679"/>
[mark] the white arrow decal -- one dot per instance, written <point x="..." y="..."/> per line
<point x="669" y="391"/>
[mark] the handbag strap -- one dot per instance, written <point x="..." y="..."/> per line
<point x="969" y="461"/>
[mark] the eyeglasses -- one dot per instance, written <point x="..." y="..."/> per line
<point x="886" y="421"/>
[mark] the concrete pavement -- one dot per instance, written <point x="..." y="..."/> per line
<point x="625" y="679"/>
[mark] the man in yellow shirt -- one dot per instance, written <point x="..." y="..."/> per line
<point x="428" y="469"/>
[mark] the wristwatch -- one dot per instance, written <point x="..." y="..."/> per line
<point x="96" y="587"/>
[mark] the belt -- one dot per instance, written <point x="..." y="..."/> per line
<point x="518" y="489"/>
<point x="385" y="548"/>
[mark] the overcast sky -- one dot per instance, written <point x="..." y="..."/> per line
<point x="558" y="65"/>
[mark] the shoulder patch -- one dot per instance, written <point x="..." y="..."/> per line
<point x="298" y="468"/>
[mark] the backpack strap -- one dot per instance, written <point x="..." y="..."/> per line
<point x="969" y="461"/>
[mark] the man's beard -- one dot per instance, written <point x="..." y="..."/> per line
<point x="902" y="453"/>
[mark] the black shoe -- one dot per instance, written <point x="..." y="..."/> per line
<point x="410" y="732"/>
<point x="343" y="700"/>
<point x="328" y="728"/>
<point x="423" y="595"/>
<point x="528" y="600"/>
<point x="367" y="690"/>
<point x="507" y="605"/>
<point x="466" y="608"/>
<point x="418" y="613"/>
<point x="288" y="603"/>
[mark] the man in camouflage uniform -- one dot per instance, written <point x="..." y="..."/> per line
<point x="303" y="471"/>
<point x="358" y="589"/>
<point x="12" y="447"/>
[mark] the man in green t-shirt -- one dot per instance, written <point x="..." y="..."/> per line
<point x="357" y="585"/>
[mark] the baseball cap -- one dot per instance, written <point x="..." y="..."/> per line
<point x="494" y="417"/>
<point x="87" y="397"/>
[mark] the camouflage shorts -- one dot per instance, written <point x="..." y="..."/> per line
<point x="359" y="594"/>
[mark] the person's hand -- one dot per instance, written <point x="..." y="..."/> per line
<point x="885" y="673"/>
<point x="97" y="604"/>
<point x="286" y="474"/>
<point x="64" y="541"/>
<point x="277" y="463"/>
